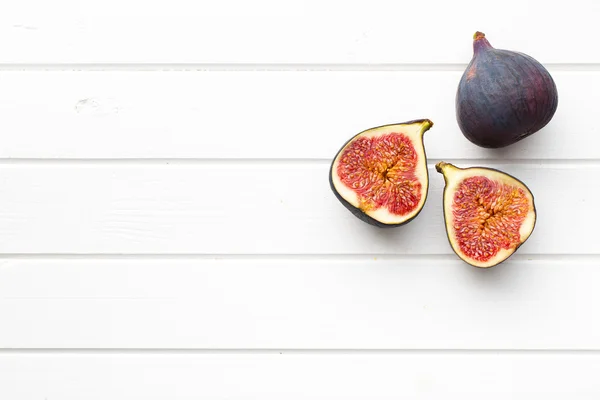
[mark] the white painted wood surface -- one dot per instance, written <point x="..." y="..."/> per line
<point x="260" y="114"/>
<point x="252" y="208"/>
<point x="299" y="32"/>
<point x="379" y="303"/>
<point x="415" y="375"/>
<point x="167" y="230"/>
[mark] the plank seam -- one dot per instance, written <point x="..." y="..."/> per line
<point x="542" y="163"/>
<point x="290" y="257"/>
<point x="234" y="351"/>
<point x="270" y="67"/>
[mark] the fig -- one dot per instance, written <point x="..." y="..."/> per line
<point x="488" y="213"/>
<point x="380" y="174"/>
<point x="503" y="96"/>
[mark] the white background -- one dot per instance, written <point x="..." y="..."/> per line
<point x="167" y="230"/>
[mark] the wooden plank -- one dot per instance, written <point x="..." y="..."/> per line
<point x="311" y="31"/>
<point x="299" y="303"/>
<point x="300" y="376"/>
<point x="252" y="208"/>
<point x="245" y="114"/>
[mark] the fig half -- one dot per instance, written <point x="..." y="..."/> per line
<point x="381" y="175"/>
<point x="503" y="96"/>
<point x="488" y="213"/>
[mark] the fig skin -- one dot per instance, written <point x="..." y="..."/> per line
<point x="447" y="193"/>
<point x="503" y="96"/>
<point x="357" y="212"/>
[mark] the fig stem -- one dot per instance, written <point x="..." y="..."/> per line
<point x="442" y="167"/>
<point x="425" y="126"/>
<point x="478" y="35"/>
<point x="439" y="167"/>
<point x="480" y="42"/>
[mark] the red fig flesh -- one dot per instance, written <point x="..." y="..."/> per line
<point x="380" y="174"/>
<point x="489" y="214"/>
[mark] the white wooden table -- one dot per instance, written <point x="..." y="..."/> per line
<point x="167" y="230"/>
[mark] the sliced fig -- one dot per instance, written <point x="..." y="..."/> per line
<point x="503" y="96"/>
<point x="488" y="213"/>
<point x="381" y="175"/>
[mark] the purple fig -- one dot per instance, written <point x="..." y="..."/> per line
<point x="503" y="96"/>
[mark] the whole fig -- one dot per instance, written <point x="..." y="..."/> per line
<point x="503" y="96"/>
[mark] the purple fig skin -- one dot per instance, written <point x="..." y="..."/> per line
<point x="503" y="96"/>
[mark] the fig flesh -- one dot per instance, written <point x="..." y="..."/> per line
<point x="380" y="174"/>
<point x="488" y="213"/>
<point x="503" y="96"/>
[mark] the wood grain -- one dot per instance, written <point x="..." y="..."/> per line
<point x="261" y="114"/>
<point x="251" y="208"/>
<point x="299" y="303"/>
<point x="267" y="31"/>
<point x="167" y="230"/>
<point x="299" y="376"/>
